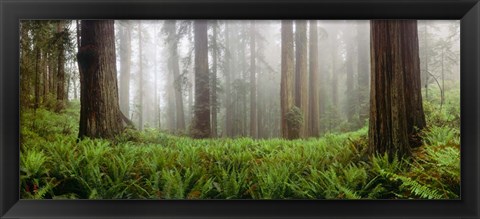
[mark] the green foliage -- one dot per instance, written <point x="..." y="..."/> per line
<point x="151" y="164"/>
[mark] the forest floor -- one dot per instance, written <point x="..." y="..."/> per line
<point x="154" y="165"/>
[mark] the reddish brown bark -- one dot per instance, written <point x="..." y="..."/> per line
<point x="395" y="106"/>
<point x="100" y="115"/>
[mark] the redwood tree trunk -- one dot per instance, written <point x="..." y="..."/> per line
<point x="100" y="115"/>
<point x="314" y="113"/>
<point x="301" y="74"/>
<point x="287" y="77"/>
<point x="175" y="68"/>
<point x="394" y="102"/>
<point x="201" y="123"/>
<point x="61" y="94"/>
<point x="253" y="84"/>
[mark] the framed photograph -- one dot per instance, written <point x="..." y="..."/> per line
<point x="239" y="109"/>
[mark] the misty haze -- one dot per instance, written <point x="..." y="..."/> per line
<point x="215" y="109"/>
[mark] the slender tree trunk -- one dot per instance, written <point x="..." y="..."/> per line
<point x="426" y="60"/>
<point x="287" y="86"/>
<point x="61" y="94"/>
<point x="100" y="115"/>
<point x="37" y="78"/>
<point x="253" y="84"/>
<point x="125" y="61"/>
<point x="214" y="79"/>
<point x="177" y="79"/>
<point x="228" y="83"/>
<point x="350" y="94"/>
<point x="140" y="78"/>
<point x="201" y="123"/>
<point x="314" y="113"/>
<point x="395" y="96"/>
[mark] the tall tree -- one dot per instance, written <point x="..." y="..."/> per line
<point x="61" y="94"/>
<point x="301" y="73"/>
<point x="314" y="113"/>
<point x="140" y="78"/>
<point x="253" y="83"/>
<point x="350" y="105"/>
<point x="125" y="62"/>
<point x="287" y="95"/>
<point x="201" y="123"/>
<point x="395" y="98"/>
<point x="172" y="40"/>
<point x="214" y="83"/>
<point x="228" y="82"/>
<point x="100" y="115"/>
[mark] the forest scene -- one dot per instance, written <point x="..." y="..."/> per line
<point x="239" y="109"/>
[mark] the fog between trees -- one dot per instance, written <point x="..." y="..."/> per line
<point x="244" y="61"/>
<point x="155" y="66"/>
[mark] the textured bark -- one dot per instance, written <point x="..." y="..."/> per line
<point x="100" y="115"/>
<point x="411" y="64"/>
<point x="253" y="84"/>
<point x="201" y="123"/>
<point x="314" y="113"/>
<point x="395" y="98"/>
<point x="287" y="76"/>
<point x="301" y="73"/>
<point x="125" y="61"/>
<point x="61" y="94"/>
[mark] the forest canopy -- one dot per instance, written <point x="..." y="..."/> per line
<point x="284" y="109"/>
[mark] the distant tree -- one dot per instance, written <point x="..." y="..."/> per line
<point x="301" y="73"/>
<point x="172" y="40"/>
<point x="253" y="83"/>
<point x="314" y="113"/>
<point x="100" y="115"/>
<point x="61" y="94"/>
<point x="141" y="93"/>
<point x="201" y="120"/>
<point x="396" y="111"/>
<point x="125" y="63"/>
<point x="363" y="70"/>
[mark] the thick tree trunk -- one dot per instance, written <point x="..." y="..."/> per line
<point x="411" y="64"/>
<point x="314" y="113"/>
<point x="61" y="94"/>
<point x="287" y="97"/>
<point x="125" y="60"/>
<point x="395" y="98"/>
<point x="201" y="123"/>
<point x="253" y="84"/>
<point x="301" y="73"/>
<point x="100" y="115"/>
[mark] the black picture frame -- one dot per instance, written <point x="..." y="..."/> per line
<point x="12" y="11"/>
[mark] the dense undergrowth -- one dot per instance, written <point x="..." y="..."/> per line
<point x="155" y="165"/>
